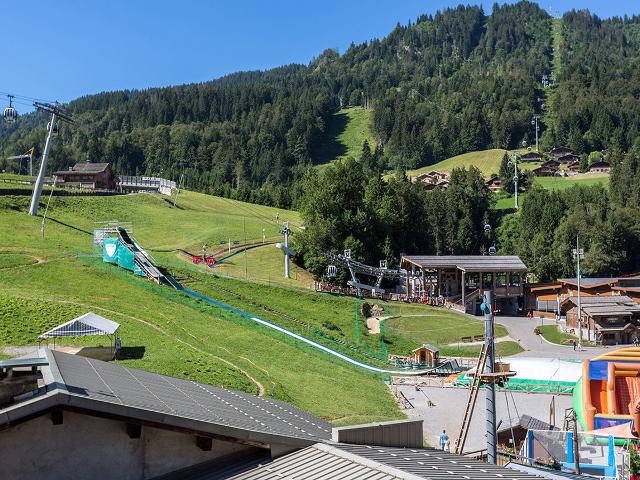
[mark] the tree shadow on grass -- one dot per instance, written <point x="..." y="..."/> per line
<point x="332" y="148"/>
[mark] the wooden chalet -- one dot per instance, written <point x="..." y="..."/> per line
<point x="600" y="167"/>
<point x="551" y="164"/>
<point x="461" y="280"/>
<point x="545" y="171"/>
<point x="95" y="176"/>
<point x="558" y="152"/>
<point x="494" y="183"/>
<point x="544" y="299"/>
<point x="610" y="319"/>
<point x="569" y="158"/>
<point x="443" y="184"/>
<point x="531" y="157"/>
<point x="574" y="167"/>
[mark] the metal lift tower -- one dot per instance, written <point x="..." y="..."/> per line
<point x="56" y="112"/>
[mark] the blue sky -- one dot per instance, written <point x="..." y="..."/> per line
<point x="59" y="50"/>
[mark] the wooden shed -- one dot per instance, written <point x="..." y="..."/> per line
<point x="427" y="354"/>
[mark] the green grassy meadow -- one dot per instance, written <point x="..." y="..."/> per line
<point x="487" y="161"/>
<point x="562" y="183"/>
<point x="346" y="132"/>
<point x="46" y="282"/>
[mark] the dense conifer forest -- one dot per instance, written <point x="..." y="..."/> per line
<point x="457" y="81"/>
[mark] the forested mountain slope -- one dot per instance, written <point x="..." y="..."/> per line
<point x="457" y="81"/>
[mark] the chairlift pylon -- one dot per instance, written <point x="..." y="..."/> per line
<point x="10" y="114"/>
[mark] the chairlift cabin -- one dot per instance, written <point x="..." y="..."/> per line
<point x="10" y="114"/>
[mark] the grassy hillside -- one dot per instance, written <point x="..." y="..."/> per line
<point x="44" y="283"/>
<point x="488" y="161"/>
<point x="561" y="183"/>
<point x="346" y="132"/>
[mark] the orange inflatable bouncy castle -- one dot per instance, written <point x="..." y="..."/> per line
<point x="609" y="389"/>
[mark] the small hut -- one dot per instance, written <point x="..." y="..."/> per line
<point x="427" y="355"/>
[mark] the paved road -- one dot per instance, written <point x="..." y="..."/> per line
<point x="521" y="330"/>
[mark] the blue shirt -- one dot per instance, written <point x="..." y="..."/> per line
<point x="443" y="439"/>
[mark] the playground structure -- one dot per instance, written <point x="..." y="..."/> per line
<point x="609" y="386"/>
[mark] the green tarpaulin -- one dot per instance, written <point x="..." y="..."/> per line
<point x="114" y="251"/>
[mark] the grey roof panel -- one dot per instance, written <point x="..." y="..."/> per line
<point x="118" y="385"/>
<point x="470" y="263"/>
<point x="319" y="462"/>
<point x="433" y="464"/>
<point x="594" y="299"/>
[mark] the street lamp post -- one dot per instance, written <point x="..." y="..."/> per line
<point x="578" y="254"/>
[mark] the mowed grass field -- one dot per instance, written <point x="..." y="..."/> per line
<point x="46" y="282"/>
<point x="487" y="161"/>
<point x="346" y="132"/>
<point x="562" y="183"/>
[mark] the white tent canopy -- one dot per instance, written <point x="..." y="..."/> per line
<point x="83" y="326"/>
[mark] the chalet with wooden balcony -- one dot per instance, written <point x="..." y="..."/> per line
<point x="461" y="280"/>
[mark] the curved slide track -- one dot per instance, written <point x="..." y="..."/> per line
<point x="177" y="286"/>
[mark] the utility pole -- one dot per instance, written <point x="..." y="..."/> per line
<point x="514" y="162"/>
<point x="285" y="231"/>
<point x="56" y="112"/>
<point x="178" y="189"/>
<point x="578" y="253"/>
<point x="490" y="408"/>
<point x="534" y="121"/>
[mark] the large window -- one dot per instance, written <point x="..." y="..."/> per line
<point x="487" y="280"/>
<point x="501" y="279"/>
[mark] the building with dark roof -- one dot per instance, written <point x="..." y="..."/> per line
<point x="461" y="279"/>
<point x="600" y="167"/>
<point x="544" y="299"/>
<point x="86" y="418"/>
<point x="512" y="437"/>
<point x="531" y="157"/>
<point x="560" y="151"/>
<point x="613" y="319"/>
<point x="95" y="176"/>
<point x="569" y="158"/>
<point x="545" y="171"/>
<point x="90" y="417"/>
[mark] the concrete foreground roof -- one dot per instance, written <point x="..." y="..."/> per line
<point x="347" y="462"/>
<point x="107" y="388"/>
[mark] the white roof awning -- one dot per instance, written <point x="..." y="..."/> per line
<point x="83" y="326"/>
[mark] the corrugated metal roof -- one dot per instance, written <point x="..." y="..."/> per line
<point x="89" y="167"/>
<point x="83" y="326"/>
<point x="469" y="263"/>
<point x="610" y="309"/>
<point x="433" y="464"/>
<point x="120" y="386"/>
<point x="590" y="282"/>
<point x="599" y="299"/>
<point x="320" y="462"/>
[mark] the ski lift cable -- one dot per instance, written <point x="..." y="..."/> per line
<point x="26" y="98"/>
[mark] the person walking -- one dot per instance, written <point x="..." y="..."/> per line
<point x="447" y="445"/>
<point x="573" y="344"/>
<point x="443" y="439"/>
